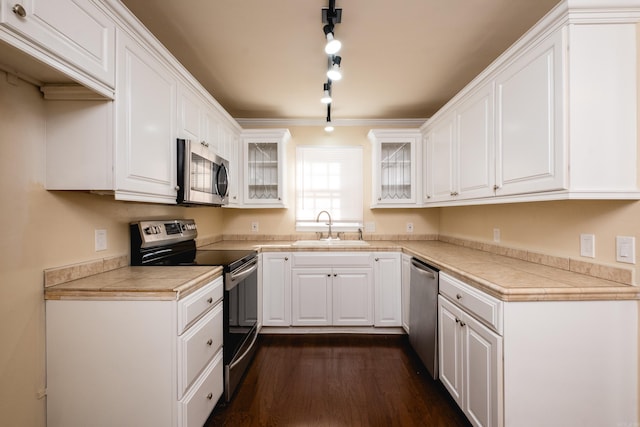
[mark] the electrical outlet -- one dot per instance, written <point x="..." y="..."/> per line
<point x="626" y="249"/>
<point x="101" y="240"/>
<point x="409" y="227"/>
<point x="496" y="235"/>
<point x="254" y="227"/>
<point x="588" y="245"/>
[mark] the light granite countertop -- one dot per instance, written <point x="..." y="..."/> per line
<point x="136" y="283"/>
<point x="506" y="278"/>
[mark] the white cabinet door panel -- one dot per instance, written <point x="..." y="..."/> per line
<point x="450" y="349"/>
<point x="146" y="146"/>
<point x="440" y="160"/>
<point x="75" y="30"/>
<point x="388" y="289"/>
<point x="529" y="121"/>
<point x="276" y="289"/>
<point x="352" y="297"/>
<point x="474" y="150"/>
<point x="311" y="296"/>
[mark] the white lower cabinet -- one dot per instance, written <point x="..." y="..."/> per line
<point x="135" y="363"/>
<point x="470" y="363"/>
<point x="276" y="289"/>
<point x="406" y="290"/>
<point x="387" y="277"/>
<point x="332" y="289"/>
<point x="538" y="363"/>
<point x="332" y="297"/>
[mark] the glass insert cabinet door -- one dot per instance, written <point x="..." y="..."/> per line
<point x="264" y="162"/>
<point x="394" y="166"/>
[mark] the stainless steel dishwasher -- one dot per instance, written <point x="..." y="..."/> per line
<point x="423" y="314"/>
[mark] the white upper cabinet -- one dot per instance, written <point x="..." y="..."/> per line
<point x="264" y="167"/>
<point x="146" y="130"/>
<point x="459" y="154"/>
<point x="396" y="154"/>
<point x="530" y="154"/>
<point x="554" y="117"/>
<point x="73" y="36"/>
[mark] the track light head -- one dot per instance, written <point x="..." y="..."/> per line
<point x="333" y="45"/>
<point x="326" y="97"/>
<point x="334" y="72"/>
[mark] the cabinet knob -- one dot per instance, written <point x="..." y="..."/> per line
<point x="19" y="10"/>
<point x="428" y="196"/>
<point x="204" y="143"/>
<point x="496" y="187"/>
<point x="210" y="300"/>
<point x="377" y="259"/>
<point x="335" y="274"/>
<point x="458" y="296"/>
<point x="177" y="188"/>
<point x="209" y="342"/>
<point x="462" y="324"/>
<point x="379" y="198"/>
<point x="457" y="320"/>
<point x="328" y="275"/>
<point x="210" y="396"/>
<point x="286" y="258"/>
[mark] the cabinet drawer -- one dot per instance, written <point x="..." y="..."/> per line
<point x="195" y="407"/>
<point x="485" y="307"/>
<point x="324" y="259"/>
<point x="197" y="346"/>
<point x="196" y="304"/>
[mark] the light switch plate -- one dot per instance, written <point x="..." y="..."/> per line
<point x="101" y="240"/>
<point x="255" y="226"/>
<point x="588" y="245"/>
<point x="496" y="235"/>
<point x="626" y="249"/>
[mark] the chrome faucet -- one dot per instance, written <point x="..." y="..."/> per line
<point x="330" y="223"/>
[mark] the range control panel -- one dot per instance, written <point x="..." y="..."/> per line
<point x="164" y="232"/>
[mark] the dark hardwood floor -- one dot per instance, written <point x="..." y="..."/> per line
<point x="337" y="380"/>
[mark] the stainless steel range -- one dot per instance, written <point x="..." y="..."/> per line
<point x="172" y="242"/>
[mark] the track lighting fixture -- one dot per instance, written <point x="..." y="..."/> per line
<point x="333" y="45"/>
<point x="330" y="17"/>
<point x="334" y="72"/>
<point x="326" y="97"/>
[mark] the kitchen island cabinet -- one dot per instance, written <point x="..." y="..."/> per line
<point x="127" y="348"/>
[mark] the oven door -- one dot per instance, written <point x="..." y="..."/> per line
<point x="240" y="323"/>
<point x="202" y="176"/>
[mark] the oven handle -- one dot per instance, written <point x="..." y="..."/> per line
<point x="249" y="347"/>
<point x="238" y="275"/>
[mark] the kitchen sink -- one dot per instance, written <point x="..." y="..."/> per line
<point x="325" y="243"/>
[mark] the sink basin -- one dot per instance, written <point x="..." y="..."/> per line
<point x="323" y="243"/>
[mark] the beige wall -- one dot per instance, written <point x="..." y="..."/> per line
<point x="282" y="221"/>
<point x="40" y="230"/>
<point x="553" y="228"/>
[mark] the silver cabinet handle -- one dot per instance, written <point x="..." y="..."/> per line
<point x="19" y="10"/>
<point x="177" y="188"/>
<point x="210" y="396"/>
<point x="209" y="342"/>
<point x="458" y="296"/>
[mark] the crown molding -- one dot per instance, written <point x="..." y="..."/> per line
<point x="409" y="123"/>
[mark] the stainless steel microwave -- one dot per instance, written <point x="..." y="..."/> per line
<point x="203" y="176"/>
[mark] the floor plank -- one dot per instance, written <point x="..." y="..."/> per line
<point x="337" y="380"/>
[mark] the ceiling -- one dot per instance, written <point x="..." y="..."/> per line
<point x="400" y="60"/>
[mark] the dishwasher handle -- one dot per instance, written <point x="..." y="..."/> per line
<point x="421" y="269"/>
